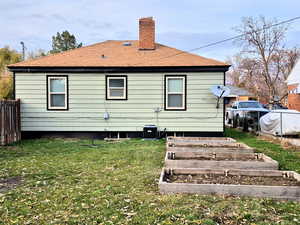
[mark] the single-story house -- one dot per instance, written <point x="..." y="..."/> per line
<point x="293" y="82"/>
<point x="119" y="87"/>
<point x="238" y="94"/>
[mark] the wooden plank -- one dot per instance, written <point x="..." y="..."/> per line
<point x="10" y="123"/>
<point x="208" y="144"/>
<point x="216" y="155"/>
<point x="221" y="164"/>
<point x="195" y="171"/>
<point x="208" y="150"/>
<point x="1" y="123"/>
<point x="276" y="192"/>
<point x="200" y="139"/>
<point x="229" y="161"/>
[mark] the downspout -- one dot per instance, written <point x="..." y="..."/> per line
<point x="14" y="86"/>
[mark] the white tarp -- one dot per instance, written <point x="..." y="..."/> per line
<point x="271" y="122"/>
<point x="294" y="77"/>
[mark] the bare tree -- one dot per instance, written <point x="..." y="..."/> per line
<point x="248" y="72"/>
<point x="264" y="43"/>
<point x="284" y="61"/>
<point x="36" y="54"/>
<point x="288" y="59"/>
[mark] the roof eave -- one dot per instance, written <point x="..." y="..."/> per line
<point x="129" y="69"/>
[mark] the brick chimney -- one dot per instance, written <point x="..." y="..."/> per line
<point x="146" y="34"/>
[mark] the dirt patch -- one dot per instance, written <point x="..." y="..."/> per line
<point x="9" y="183"/>
<point x="115" y="140"/>
<point x="11" y="148"/>
<point x="231" y="179"/>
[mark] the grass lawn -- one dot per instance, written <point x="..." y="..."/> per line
<point x="288" y="159"/>
<point x="64" y="182"/>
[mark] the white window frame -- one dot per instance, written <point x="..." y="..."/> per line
<point x="108" y="88"/>
<point x="50" y="107"/>
<point x="183" y="92"/>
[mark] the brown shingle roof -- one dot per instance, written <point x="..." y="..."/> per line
<point x="117" y="55"/>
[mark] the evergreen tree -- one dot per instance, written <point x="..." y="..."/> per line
<point x="64" y="41"/>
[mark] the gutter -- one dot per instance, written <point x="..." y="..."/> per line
<point x="150" y="69"/>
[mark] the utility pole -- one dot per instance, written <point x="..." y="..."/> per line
<point x="23" y="50"/>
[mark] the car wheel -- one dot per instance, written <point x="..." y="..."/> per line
<point x="238" y="121"/>
<point x="228" y="121"/>
<point x="245" y="125"/>
<point x="235" y="122"/>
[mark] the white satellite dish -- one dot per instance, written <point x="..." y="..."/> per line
<point x="220" y="91"/>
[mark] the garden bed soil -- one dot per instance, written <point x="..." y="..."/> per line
<point x="232" y="179"/>
<point x="207" y="144"/>
<point x="216" y="156"/>
<point x="218" y="159"/>
<point x="201" y="139"/>
<point x="210" y="150"/>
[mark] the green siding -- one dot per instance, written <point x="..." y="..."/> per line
<point x="145" y="93"/>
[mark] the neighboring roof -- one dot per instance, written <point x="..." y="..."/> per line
<point x="294" y="77"/>
<point x="236" y="91"/>
<point x="115" y="54"/>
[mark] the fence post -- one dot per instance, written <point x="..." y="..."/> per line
<point x="281" y="125"/>
<point x="19" y="119"/>
<point x="1" y="122"/>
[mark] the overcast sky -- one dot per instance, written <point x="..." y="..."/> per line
<point x="181" y="24"/>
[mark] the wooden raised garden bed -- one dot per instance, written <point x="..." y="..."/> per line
<point x="255" y="161"/>
<point x="200" y="139"/>
<point x="255" y="183"/>
<point x="206" y="144"/>
<point x="246" y="149"/>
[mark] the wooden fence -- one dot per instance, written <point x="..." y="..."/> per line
<point x="10" y="122"/>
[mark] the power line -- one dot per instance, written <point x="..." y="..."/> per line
<point x="229" y="39"/>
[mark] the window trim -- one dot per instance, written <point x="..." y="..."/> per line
<point x="107" y="88"/>
<point x="66" y="93"/>
<point x="184" y="98"/>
